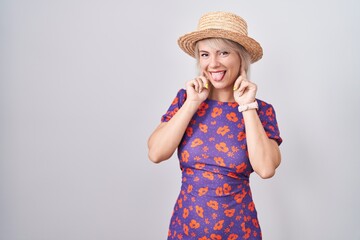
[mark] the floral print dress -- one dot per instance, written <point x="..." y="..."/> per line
<point x="215" y="201"/>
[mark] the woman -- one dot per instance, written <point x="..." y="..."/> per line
<point x="222" y="133"/>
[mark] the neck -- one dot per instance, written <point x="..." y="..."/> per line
<point x="222" y="95"/>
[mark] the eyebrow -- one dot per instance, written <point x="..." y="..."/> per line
<point x="217" y="51"/>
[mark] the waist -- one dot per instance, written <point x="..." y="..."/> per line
<point x="214" y="184"/>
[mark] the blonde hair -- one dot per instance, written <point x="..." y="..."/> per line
<point x="219" y="42"/>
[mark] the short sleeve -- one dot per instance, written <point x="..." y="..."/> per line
<point x="268" y="119"/>
<point x="175" y="105"/>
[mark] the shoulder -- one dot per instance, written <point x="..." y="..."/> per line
<point x="181" y="95"/>
<point x="265" y="108"/>
<point x="179" y="98"/>
<point x="263" y="104"/>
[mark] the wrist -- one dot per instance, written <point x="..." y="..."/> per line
<point x="192" y="105"/>
<point x="249" y="106"/>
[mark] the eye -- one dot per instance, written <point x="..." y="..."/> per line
<point x="224" y="53"/>
<point x="204" y="55"/>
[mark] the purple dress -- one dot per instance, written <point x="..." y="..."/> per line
<point x="215" y="200"/>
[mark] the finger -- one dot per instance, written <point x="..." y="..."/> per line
<point x="200" y="85"/>
<point x="243" y="72"/>
<point x="204" y="81"/>
<point x="243" y="86"/>
<point x="238" y="82"/>
<point x="196" y="85"/>
<point x="193" y="84"/>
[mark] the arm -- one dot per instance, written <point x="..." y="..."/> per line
<point x="167" y="136"/>
<point x="264" y="153"/>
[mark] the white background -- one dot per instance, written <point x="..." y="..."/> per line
<point x="84" y="83"/>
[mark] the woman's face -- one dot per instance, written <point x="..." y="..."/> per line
<point x="220" y="65"/>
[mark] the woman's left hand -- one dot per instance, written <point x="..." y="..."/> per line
<point x="244" y="89"/>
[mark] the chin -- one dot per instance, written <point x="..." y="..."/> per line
<point x="220" y="85"/>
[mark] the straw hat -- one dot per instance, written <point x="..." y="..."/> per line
<point x="221" y="25"/>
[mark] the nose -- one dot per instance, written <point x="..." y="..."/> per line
<point x="214" y="62"/>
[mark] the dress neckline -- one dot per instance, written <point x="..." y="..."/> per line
<point x="221" y="102"/>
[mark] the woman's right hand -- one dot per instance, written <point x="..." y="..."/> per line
<point x="197" y="90"/>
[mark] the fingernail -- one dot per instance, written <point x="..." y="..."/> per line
<point x="207" y="86"/>
<point x="234" y="88"/>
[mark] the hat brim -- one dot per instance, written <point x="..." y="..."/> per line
<point x="187" y="42"/>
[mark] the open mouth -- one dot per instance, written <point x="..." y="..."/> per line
<point x="217" y="76"/>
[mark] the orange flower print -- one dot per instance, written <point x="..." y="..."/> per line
<point x="216" y="112"/>
<point x="233" y="104"/>
<point x="204" y="155"/>
<point x="194" y="224"/>
<point x="190" y="188"/>
<point x="185" y="156"/>
<point x="189" y="131"/>
<point x="241" y="136"/>
<point x="227" y="188"/>
<point x="229" y="212"/>
<point x="221" y="147"/>
<point x="201" y="112"/>
<point x="208" y="175"/>
<point x="232" y="174"/>
<point x="240" y="168"/>
<point x="189" y="171"/>
<point x="203" y="127"/>
<point x="186" y="229"/>
<point x="219" y="191"/>
<point x="213" y="204"/>
<point x="180" y="202"/>
<point x="202" y="109"/>
<point x="251" y="206"/>
<point x="234" y="149"/>
<point x="185" y="213"/>
<point x="233" y="236"/>
<point x="199" y="211"/>
<point x="202" y="191"/>
<point x="204" y="238"/>
<point x="232" y="117"/>
<point x="215" y="237"/>
<point x="255" y="222"/>
<point x="240" y="196"/>
<point x="219" y="225"/>
<point x="223" y="130"/>
<point x="175" y="101"/>
<point x="196" y="142"/>
<point x="246" y="230"/>
<point x="269" y="112"/>
<point x="219" y="161"/>
<point x="199" y="165"/>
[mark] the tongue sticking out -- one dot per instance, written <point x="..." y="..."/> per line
<point x="217" y="76"/>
